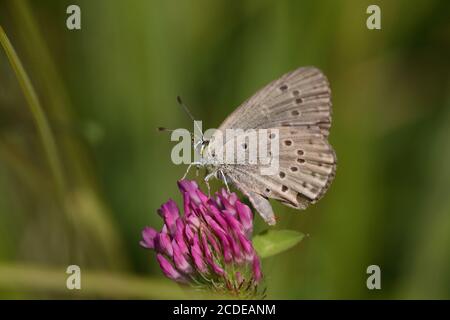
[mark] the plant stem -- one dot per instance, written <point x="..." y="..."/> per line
<point x="42" y="124"/>
<point x="96" y="284"/>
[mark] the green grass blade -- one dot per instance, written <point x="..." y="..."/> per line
<point x="94" y="284"/>
<point x="42" y="124"/>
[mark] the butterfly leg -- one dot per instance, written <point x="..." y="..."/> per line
<point x="189" y="168"/>
<point x="209" y="176"/>
<point x="209" y="189"/>
<point x="187" y="171"/>
<point x="225" y="180"/>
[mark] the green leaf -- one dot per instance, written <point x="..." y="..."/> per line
<point x="272" y="242"/>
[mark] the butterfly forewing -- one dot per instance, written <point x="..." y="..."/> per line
<point x="301" y="97"/>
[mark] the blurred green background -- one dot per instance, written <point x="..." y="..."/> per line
<point x="104" y="90"/>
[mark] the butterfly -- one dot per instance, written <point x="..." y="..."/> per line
<point x="297" y="106"/>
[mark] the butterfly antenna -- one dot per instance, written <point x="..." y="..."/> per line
<point x="163" y="129"/>
<point x="181" y="103"/>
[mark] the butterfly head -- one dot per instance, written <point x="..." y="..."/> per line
<point x="203" y="147"/>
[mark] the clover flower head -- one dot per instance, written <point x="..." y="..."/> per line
<point x="209" y="246"/>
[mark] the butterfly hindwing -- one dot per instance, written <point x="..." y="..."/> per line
<point x="306" y="167"/>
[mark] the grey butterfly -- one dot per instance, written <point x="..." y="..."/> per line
<point x="298" y="107"/>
